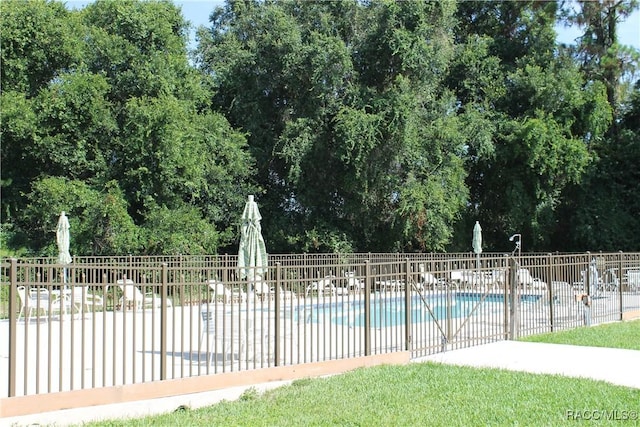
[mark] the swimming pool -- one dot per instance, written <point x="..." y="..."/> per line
<point x="390" y="311"/>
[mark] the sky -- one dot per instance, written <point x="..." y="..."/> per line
<point x="197" y="12"/>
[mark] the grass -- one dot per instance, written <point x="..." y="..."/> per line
<point x="430" y="394"/>
<point x="613" y="335"/>
<point x="414" y="394"/>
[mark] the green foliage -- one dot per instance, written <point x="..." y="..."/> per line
<point x="107" y="225"/>
<point x="99" y="222"/>
<point x="612" y="335"/>
<point x="604" y="209"/>
<point x="116" y="131"/>
<point x="342" y="121"/>
<point x="76" y="125"/>
<point x="18" y="127"/>
<point x="179" y="231"/>
<point x="538" y="129"/>
<point x="361" y="126"/>
<point x="38" y="42"/>
<point x="602" y="58"/>
<point x="249" y="394"/>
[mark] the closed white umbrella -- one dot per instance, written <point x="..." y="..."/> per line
<point x="63" y="238"/>
<point x="252" y="253"/>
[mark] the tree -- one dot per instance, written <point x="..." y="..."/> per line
<point x="604" y="215"/>
<point x="538" y="123"/>
<point x="120" y="136"/>
<point x="601" y="56"/>
<point x="602" y="210"/>
<point x="100" y="224"/>
<point x="179" y="231"/>
<point x="38" y="43"/>
<point x="352" y="134"/>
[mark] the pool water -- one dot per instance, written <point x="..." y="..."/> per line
<point x="391" y="311"/>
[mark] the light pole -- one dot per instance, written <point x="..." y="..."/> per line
<point x="518" y="239"/>
<point x="514" y="324"/>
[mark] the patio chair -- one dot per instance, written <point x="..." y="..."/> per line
<point x="222" y="293"/>
<point x="132" y="297"/>
<point x="41" y="302"/>
<point x="222" y="336"/>
<point x="263" y="291"/>
<point x="350" y="285"/>
<point x="610" y="280"/>
<point x="563" y="293"/>
<point x="84" y="301"/>
<point x="323" y="287"/>
<point x="427" y="281"/>
<point x="32" y="302"/>
<point x="595" y="281"/>
<point x="285" y="295"/>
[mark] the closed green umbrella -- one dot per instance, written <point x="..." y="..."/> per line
<point x="252" y="253"/>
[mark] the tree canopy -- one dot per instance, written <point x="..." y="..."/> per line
<point x="359" y="126"/>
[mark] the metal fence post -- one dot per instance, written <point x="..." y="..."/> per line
<point x="505" y="293"/>
<point x="550" y="285"/>
<point x="586" y="300"/>
<point x="619" y="276"/>
<point x="587" y="275"/>
<point x="514" y="323"/>
<point x="163" y="324"/>
<point x="276" y="350"/>
<point x="13" y="319"/>
<point x="367" y="308"/>
<point x="407" y="306"/>
<point x="448" y="338"/>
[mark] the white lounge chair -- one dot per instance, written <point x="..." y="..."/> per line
<point x="633" y="280"/>
<point x="323" y="287"/>
<point x="563" y="293"/>
<point x="32" y="302"/>
<point x="41" y="302"/>
<point x="428" y="280"/>
<point x="222" y="293"/>
<point x="263" y="291"/>
<point x="85" y="301"/>
<point x="352" y="285"/>
<point x="222" y="337"/>
<point x="528" y="282"/>
<point x="133" y="298"/>
<point x="285" y="295"/>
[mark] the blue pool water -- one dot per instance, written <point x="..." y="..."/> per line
<point x="391" y="311"/>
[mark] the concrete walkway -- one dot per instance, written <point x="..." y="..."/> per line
<point x="621" y="367"/>
<point x="616" y="366"/>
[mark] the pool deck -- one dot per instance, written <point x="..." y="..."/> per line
<point x="612" y="365"/>
<point x="616" y="366"/>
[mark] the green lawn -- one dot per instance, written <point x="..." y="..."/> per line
<point x="613" y="335"/>
<point x="431" y="394"/>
